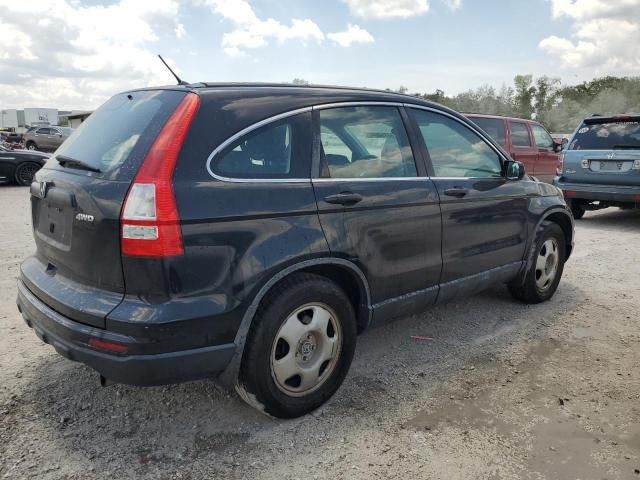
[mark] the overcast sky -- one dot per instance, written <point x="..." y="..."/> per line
<point x="76" y="53"/>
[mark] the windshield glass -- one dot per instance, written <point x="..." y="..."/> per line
<point x="607" y="136"/>
<point x="106" y="139"/>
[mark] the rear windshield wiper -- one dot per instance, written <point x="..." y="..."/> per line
<point x="626" y="147"/>
<point x="73" y="163"/>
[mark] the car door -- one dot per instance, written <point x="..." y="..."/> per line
<point x="54" y="139"/>
<point x="7" y="164"/>
<point x="548" y="159"/>
<point x="484" y="215"/>
<point x="376" y="205"/>
<point x="41" y="137"/>
<point x="522" y="147"/>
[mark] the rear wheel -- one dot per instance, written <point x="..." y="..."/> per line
<point x="25" y="173"/>
<point x="300" y="347"/>
<point x="577" y="208"/>
<point x="545" y="266"/>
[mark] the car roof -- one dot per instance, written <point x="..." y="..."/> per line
<point x="502" y="117"/>
<point x="318" y="94"/>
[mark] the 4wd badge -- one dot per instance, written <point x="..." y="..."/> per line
<point x="84" y="217"/>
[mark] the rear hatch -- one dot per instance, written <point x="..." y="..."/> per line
<point x="604" y="151"/>
<point x="76" y="203"/>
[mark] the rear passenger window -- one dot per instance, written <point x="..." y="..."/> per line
<point x="519" y="134"/>
<point x="278" y="150"/>
<point x="364" y="142"/>
<point x="454" y="149"/>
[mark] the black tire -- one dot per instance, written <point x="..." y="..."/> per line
<point x="257" y="383"/>
<point x="25" y="173"/>
<point x="527" y="289"/>
<point x="577" y="208"/>
<point x="31" y="145"/>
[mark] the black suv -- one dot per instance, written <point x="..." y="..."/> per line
<point x="250" y="232"/>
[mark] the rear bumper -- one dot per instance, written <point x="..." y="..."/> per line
<point x="610" y="193"/>
<point x="70" y="339"/>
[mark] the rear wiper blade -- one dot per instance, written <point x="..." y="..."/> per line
<point x="73" y="163"/>
<point x="626" y="147"/>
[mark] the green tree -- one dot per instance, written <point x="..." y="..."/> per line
<point x="525" y="92"/>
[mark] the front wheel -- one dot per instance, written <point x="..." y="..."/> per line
<point x="32" y="146"/>
<point x="25" y="173"/>
<point x="545" y="266"/>
<point x="299" y="348"/>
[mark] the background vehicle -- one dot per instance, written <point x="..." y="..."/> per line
<point x="254" y="230"/>
<point x="20" y="165"/>
<point x="46" y="138"/>
<point x="526" y="141"/>
<point x="602" y="164"/>
<point x="561" y="138"/>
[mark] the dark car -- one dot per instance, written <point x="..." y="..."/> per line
<point x="250" y="232"/>
<point x="20" y="165"/>
<point x="526" y="141"/>
<point x="602" y="164"/>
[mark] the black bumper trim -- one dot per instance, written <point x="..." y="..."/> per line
<point x="69" y="340"/>
<point x="612" y="193"/>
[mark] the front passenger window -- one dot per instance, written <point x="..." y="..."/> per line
<point x="456" y="150"/>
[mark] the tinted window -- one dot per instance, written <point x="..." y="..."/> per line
<point x="43" y="131"/>
<point x="519" y="134"/>
<point x="541" y="136"/>
<point x="278" y="150"/>
<point x="365" y="142"/>
<point x="493" y="126"/>
<point x="607" y="136"/>
<point x="127" y="124"/>
<point x="456" y="150"/>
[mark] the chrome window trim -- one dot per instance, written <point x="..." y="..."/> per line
<point x="325" y="106"/>
<point x="243" y="132"/>
<point x="290" y="113"/>
<point x="470" y="127"/>
<point x="368" y="179"/>
<point x="373" y="103"/>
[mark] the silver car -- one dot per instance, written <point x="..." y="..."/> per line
<point x="46" y="138"/>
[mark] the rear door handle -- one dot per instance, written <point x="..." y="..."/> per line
<point x="457" y="192"/>
<point x="344" y="198"/>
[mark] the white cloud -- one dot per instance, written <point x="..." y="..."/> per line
<point x="379" y="9"/>
<point x="453" y="4"/>
<point x="353" y="34"/>
<point x="251" y="32"/>
<point x="62" y="54"/>
<point x="604" y="36"/>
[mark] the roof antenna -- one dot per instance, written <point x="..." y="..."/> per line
<point x="180" y="82"/>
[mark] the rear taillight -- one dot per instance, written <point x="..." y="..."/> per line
<point x="150" y="224"/>
<point x="107" y="345"/>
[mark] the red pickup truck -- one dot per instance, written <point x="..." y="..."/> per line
<point x="526" y="141"/>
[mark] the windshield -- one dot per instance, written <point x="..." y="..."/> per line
<point x="607" y="136"/>
<point x="125" y="126"/>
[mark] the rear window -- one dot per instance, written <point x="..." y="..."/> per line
<point x="607" y="136"/>
<point x="519" y="134"/>
<point x="118" y="135"/>
<point x="493" y="126"/>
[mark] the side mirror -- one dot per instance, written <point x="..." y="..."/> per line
<point x="514" y="170"/>
<point x="557" y="147"/>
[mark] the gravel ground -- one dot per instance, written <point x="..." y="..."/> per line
<point x="503" y="391"/>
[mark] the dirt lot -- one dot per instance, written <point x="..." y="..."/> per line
<point x="504" y="391"/>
